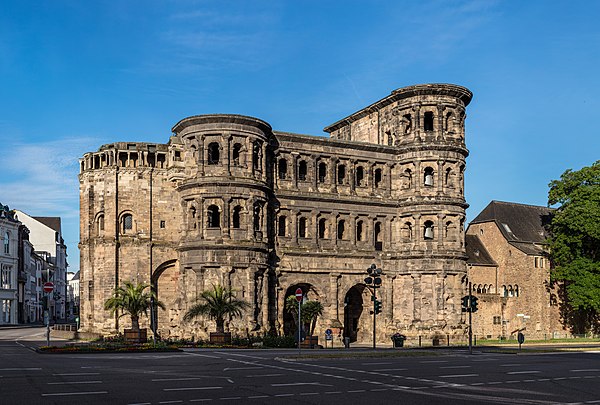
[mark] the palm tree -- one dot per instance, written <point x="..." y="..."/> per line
<point x="311" y="310"/>
<point x="217" y="304"/>
<point x="132" y="300"/>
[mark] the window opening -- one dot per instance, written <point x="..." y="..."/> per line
<point x="428" y="121"/>
<point x="322" y="228"/>
<point x="428" y="233"/>
<point x="378" y="177"/>
<point x="213" y="217"/>
<point x="236" y="216"/>
<point x="428" y="180"/>
<point x="378" y="237"/>
<point x="256" y="155"/>
<point x="407" y="179"/>
<point x="359" y="231"/>
<point x="100" y="222"/>
<point x="282" y="169"/>
<point x="341" y="229"/>
<point x="7" y="243"/>
<point x="127" y="222"/>
<point x="322" y="172"/>
<point x="213" y="153"/>
<point x="302" y="227"/>
<point x="302" y="170"/>
<point x="341" y="174"/>
<point x="257" y="217"/>
<point x="282" y="226"/>
<point x="163" y="224"/>
<point x="360" y="175"/>
<point x="235" y="154"/>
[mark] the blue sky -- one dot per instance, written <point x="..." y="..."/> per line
<point x="78" y="74"/>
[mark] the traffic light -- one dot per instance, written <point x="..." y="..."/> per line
<point x="473" y="303"/>
<point x="465" y="303"/>
<point x="377" y="307"/>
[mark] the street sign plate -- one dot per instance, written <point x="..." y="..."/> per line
<point x="48" y="287"/>
<point x="299" y="294"/>
<point x="328" y="332"/>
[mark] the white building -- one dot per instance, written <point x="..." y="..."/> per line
<point x="46" y="237"/>
<point x="73" y="294"/>
<point x="9" y="228"/>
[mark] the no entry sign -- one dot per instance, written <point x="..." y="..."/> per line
<point x="299" y="294"/>
<point x="48" y="287"/>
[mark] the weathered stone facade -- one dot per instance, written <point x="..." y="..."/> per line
<point x="230" y="201"/>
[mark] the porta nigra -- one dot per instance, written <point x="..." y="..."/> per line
<point x="228" y="200"/>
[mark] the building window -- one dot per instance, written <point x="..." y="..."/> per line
<point x="237" y="210"/>
<point x="360" y="176"/>
<point x="176" y="157"/>
<point x="302" y="170"/>
<point x="341" y="174"/>
<point x="162" y="224"/>
<point x="257" y="217"/>
<point x="193" y="217"/>
<point x="323" y="228"/>
<point x="322" y="172"/>
<point x="302" y="227"/>
<point x="428" y="179"/>
<point x="378" y="236"/>
<point x="213" y="153"/>
<point x="7" y="278"/>
<point x="126" y="223"/>
<point x="497" y="320"/>
<point x="407" y="179"/>
<point x="6" y="243"/>
<point x="428" y="121"/>
<point x="428" y="230"/>
<point x="100" y="223"/>
<point x="6" y="309"/>
<point x="235" y="154"/>
<point x="282" y="169"/>
<point x="359" y="231"/>
<point x="256" y="155"/>
<point x="341" y="229"/>
<point x="282" y="226"/>
<point x="378" y="177"/>
<point x="407" y="232"/>
<point x="213" y="217"/>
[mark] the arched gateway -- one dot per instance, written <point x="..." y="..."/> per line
<point x="228" y="200"/>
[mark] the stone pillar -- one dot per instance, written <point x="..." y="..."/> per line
<point x="226" y="217"/>
<point x="388" y="172"/>
<point x="201" y="155"/>
<point x="294" y="169"/>
<point x="417" y="297"/>
<point x="228" y="153"/>
<point x="417" y="122"/>
<point x="418" y="178"/>
<point x="294" y="226"/>
<point x="333" y="172"/>
<point x="440" y="125"/>
<point x="352" y="174"/>
<point x="440" y="227"/>
<point x="440" y="178"/>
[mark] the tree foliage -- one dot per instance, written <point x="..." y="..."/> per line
<point x="133" y="300"/>
<point x="310" y="312"/>
<point x="217" y="303"/>
<point x="575" y="242"/>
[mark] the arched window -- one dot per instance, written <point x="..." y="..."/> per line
<point x="126" y="223"/>
<point x="6" y="243"/>
<point x="360" y="176"/>
<point x="407" y="232"/>
<point x="282" y="226"/>
<point x="257" y="216"/>
<point x="407" y="179"/>
<point x="213" y="153"/>
<point x="213" y="217"/>
<point x="235" y="154"/>
<point x="256" y="155"/>
<point x="428" y="178"/>
<point x="516" y="289"/>
<point x="378" y="236"/>
<point x="322" y="172"/>
<point x="448" y="178"/>
<point x="428" y="230"/>
<point x="428" y="121"/>
<point x="237" y="211"/>
<point x="510" y="291"/>
<point x="193" y="217"/>
<point x="302" y="227"/>
<point x="341" y="229"/>
<point x="282" y="168"/>
<point x="322" y="228"/>
<point x="378" y="177"/>
<point x="302" y="170"/>
<point x="100" y="224"/>
<point x="359" y="231"/>
<point x="341" y="174"/>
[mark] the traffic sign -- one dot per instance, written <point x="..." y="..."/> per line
<point x="48" y="287"/>
<point x="299" y="294"/>
<point x="329" y="332"/>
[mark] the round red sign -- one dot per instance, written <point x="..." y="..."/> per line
<point x="299" y="294"/>
<point x="48" y="287"/>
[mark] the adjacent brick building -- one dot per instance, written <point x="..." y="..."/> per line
<point x="229" y="200"/>
<point x="510" y="271"/>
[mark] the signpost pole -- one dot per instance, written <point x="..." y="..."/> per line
<point x="470" y="320"/>
<point x="48" y="289"/>
<point x="299" y="296"/>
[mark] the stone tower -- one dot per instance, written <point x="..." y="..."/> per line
<point x="230" y="201"/>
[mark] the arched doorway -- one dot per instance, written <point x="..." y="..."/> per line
<point x="168" y="285"/>
<point x="353" y="309"/>
<point x="289" y="319"/>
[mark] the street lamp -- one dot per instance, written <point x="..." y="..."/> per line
<point x="373" y="282"/>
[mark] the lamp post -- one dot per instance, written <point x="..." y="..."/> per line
<point x="373" y="282"/>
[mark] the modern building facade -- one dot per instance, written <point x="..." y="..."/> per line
<point x="9" y="231"/>
<point x="510" y="272"/>
<point x="230" y="201"/>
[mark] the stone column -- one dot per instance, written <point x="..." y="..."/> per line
<point x="333" y="234"/>
<point x="333" y="173"/>
<point x="389" y="297"/>
<point x="440" y="178"/>
<point x="352" y="174"/>
<point x="315" y="171"/>
<point x="418" y="178"/>
<point x="440" y="227"/>
<point x="294" y="169"/>
<point x="226" y="233"/>
<point x="228" y="153"/>
<point x="388" y="172"/>
<point x="440" y="125"/>
<point x="417" y="122"/>
<point x="294" y="226"/>
<point x="417" y="296"/>
<point x="201" y="155"/>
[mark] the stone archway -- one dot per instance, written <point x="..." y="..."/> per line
<point x="159" y="282"/>
<point x="309" y="292"/>
<point x="354" y="308"/>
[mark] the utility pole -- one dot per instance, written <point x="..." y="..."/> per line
<point x="373" y="282"/>
<point x="470" y="309"/>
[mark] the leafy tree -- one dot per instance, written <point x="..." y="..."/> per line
<point x="310" y="311"/>
<point x="217" y="304"/>
<point x="133" y="300"/>
<point x="575" y="244"/>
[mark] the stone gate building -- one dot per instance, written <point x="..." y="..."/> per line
<point x="228" y="200"/>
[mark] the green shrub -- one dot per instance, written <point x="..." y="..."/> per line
<point x="279" y="342"/>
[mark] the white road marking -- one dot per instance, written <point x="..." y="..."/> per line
<point x="192" y="388"/>
<point x="584" y="370"/>
<point x="21" y="369"/>
<point x="203" y="355"/>
<point x="170" y="402"/>
<point x="241" y="368"/>
<point x="201" y="400"/>
<point x="258" y="396"/>
<point x="263" y="375"/>
<point x="177" y="379"/>
<point x="309" y="393"/>
<point x="74" y="374"/>
<point x="56" y="394"/>
<point x="376" y="364"/>
<point x="458" y="375"/>
<point x="510" y="365"/>
<point x="433" y="361"/>
<point x="141" y="403"/>
<point x="456" y="366"/>
<point x="301" y="383"/>
<point x="524" y="372"/>
<point x="283" y="395"/>
<point x="227" y="398"/>
<point x="74" y="382"/>
<point x="333" y="392"/>
<point x="355" y="391"/>
<point x="391" y="369"/>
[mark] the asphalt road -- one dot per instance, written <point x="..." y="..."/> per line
<point x="279" y="376"/>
